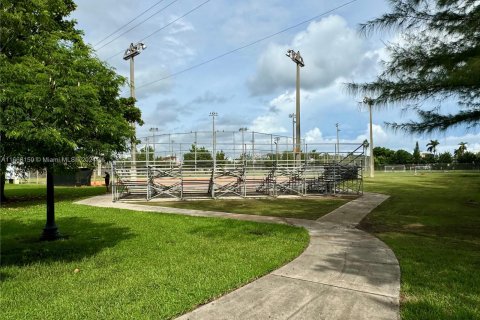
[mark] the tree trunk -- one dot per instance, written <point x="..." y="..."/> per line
<point x="50" y="232"/>
<point x="2" y="188"/>
<point x="3" y="167"/>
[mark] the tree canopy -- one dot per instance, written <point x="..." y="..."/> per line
<point x="462" y="148"/>
<point x="416" y="153"/>
<point x="437" y="61"/>
<point x="58" y="100"/>
<point x="432" y="146"/>
<point x="60" y="105"/>
<point x="198" y="155"/>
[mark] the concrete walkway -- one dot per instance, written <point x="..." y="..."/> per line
<point x="344" y="273"/>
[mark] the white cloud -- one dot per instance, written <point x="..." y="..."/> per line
<point x="267" y="124"/>
<point x="283" y="102"/>
<point x="181" y="25"/>
<point x="330" y="49"/>
<point x="450" y="143"/>
<point x="380" y="136"/>
<point x="396" y="141"/>
<point x="174" y="48"/>
<point x="314" y="135"/>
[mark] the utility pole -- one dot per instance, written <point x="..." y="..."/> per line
<point x="276" y="150"/>
<point x="253" y="150"/>
<point x="369" y="102"/>
<point x="195" y="151"/>
<point x="338" y="142"/>
<point x="244" y="149"/>
<point x="297" y="58"/>
<point x="244" y="155"/>
<point x="147" y="149"/>
<point x="171" y="154"/>
<point x="234" y="151"/>
<point x="213" y="115"/>
<point x="292" y="115"/>
<point x="130" y="54"/>
<point x="153" y="130"/>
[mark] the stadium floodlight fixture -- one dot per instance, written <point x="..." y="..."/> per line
<point x="296" y="57"/>
<point x="134" y="50"/>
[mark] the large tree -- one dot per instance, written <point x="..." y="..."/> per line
<point x="416" y="154"/>
<point x="462" y="148"/>
<point x="383" y="156"/>
<point x="198" y="157"/>
<point x="402" y="157"/>
<point x="436" y="62"/>
<point x="445" y="157"/>
<point x="432" y="146"/>
<point x="60" y="105"/>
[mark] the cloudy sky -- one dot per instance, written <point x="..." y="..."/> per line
<point x="185" y="71"/>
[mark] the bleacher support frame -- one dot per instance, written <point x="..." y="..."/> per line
<point x="241" y="173"/>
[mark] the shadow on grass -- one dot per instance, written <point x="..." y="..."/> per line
<point x="307" y="209"/>
<point x="29" y="195"/>
<point x="82" y="238"/>
<point x="431" y="310"/>
<point x="245" y="231"/>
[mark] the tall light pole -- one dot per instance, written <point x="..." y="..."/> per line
<point x="171" y="154"/>
<point x="244" y="151"/>
<point x="369" y="102"/>
<point x="276" y="150"/>
<point x="338" y="141"/>
<point x="153" y="130"/>
<point x="195" y="151"/>
<point x="292" y="115"/>
<point x="130" y="54"/>
<point x="213" y="114"/>
<point x="147" y="149"/>
<point x="253" y="149"/>
<point x="297" y="58"/>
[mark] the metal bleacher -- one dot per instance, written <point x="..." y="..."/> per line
<point x="260" y="172"/>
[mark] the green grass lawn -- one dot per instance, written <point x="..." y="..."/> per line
<point x="304" y="208"/>
<point x="432" y="223"/>
<point x="130" y="265"/>
<point x="21" y="195"/>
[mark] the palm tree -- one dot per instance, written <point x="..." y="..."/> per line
<point x="432" y="146"/>
<point x="461" y="149"/>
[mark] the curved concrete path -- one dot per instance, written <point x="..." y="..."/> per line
<point x="344" y="273"/>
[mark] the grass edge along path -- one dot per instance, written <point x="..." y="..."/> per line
<point x="299" y="208"/>
<point x="125" y="264"/>
<point x="432" y="222"/>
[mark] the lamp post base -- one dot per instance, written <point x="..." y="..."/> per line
<point x="50" y="233"/>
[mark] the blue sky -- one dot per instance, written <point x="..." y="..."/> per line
<point x="253" y="87"/>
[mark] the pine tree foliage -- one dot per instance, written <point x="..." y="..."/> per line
<point x="437" y="59"/>
<point x="416" y="153"/>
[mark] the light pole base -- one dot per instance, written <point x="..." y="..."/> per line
<point x="50" y="233"/>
